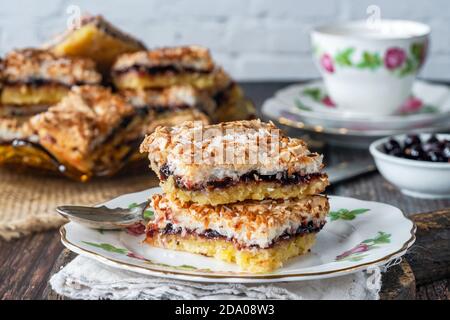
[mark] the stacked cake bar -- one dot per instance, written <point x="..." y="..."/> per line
<point x="34" y="79"/>
<point x="220" y="201"/>
<point x="170" y="72"/>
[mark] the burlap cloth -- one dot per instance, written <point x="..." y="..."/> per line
<point x="28" y="201"/>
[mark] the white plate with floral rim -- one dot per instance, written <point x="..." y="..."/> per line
<point x="357" y="235"/>
<point x="428" y="105"/>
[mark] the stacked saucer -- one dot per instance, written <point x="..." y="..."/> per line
<point x="309" y="108"/>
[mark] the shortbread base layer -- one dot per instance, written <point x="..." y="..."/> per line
<point x="209" y="82"/>
<point x="29" y="95"/>
<point x="254" y="260"/>
<point x="244" y="191"/>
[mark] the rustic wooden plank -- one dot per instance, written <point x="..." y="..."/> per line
<point x="64" y="258"/>
<point x="398" y="283"/>
<point x="438" y="290"/>
<point x="430" y="255"/>
<point x="25" y="264"/>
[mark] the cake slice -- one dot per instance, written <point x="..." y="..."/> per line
<point x="171" y="106"/>
<point x="97" y="39"/>
<point x="232" y="161"/>
<point x="164" y="67"/>
<point x="34" y="79"/>
<point x="91" y="130"/>
<point x="259" y="236"/>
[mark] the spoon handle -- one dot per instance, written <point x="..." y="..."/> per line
<point x="103" y="217"/>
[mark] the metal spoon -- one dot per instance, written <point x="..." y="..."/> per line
<point x="103" y="217"/>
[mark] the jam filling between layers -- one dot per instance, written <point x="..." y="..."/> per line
<point x="160" y="109"/>
<point x="283" y="178"/>
<point x="157" y="70"/>
<point x="37" y="82"/>
<point x="307" y="228"/>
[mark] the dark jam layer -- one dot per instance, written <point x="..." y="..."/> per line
<point x="212" y="234"/>
<point x="37" y="82"/>
<point x="156" y="70"/>
<point x="282" y="177"/>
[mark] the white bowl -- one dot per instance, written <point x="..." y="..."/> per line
<point x="421" y="179"/>
<point x="370" y="69"/>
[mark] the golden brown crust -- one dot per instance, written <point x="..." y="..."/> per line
<point x="248" y="216"/>
<point x="189" y="151"/>
<point x="36" y="66"/>
<point x="189" y="57"/>
<point x="84" y="119"/>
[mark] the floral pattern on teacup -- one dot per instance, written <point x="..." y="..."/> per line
<point x="327" y="63"/>
<point x="395" y="60"/>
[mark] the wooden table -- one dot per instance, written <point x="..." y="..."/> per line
<point x="26" y="264"/>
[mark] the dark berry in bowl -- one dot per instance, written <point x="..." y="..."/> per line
<point x="433" y="140"/>
<point x="391" y="145"/>
<point x="446" y="150"/>
<point x="411" y="139"/>
<point x="415" y="152"/>
<point x="436" y="156"/>
<point x="412" y="147"/>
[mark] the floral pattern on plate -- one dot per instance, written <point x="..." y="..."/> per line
<point x="346" y="214"/>
<point x="356" y="253"/>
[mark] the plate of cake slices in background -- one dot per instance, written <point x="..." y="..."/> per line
<point x="80" y="105"/>
<point x="242" y="202"/>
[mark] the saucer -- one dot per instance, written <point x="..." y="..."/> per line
<point x="273" y="109"/>
<point x="429" y="105"/>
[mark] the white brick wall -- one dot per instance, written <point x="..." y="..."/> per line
<point x="253" y="39"/>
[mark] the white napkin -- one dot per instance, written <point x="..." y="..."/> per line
<point x="84" y="278"/>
